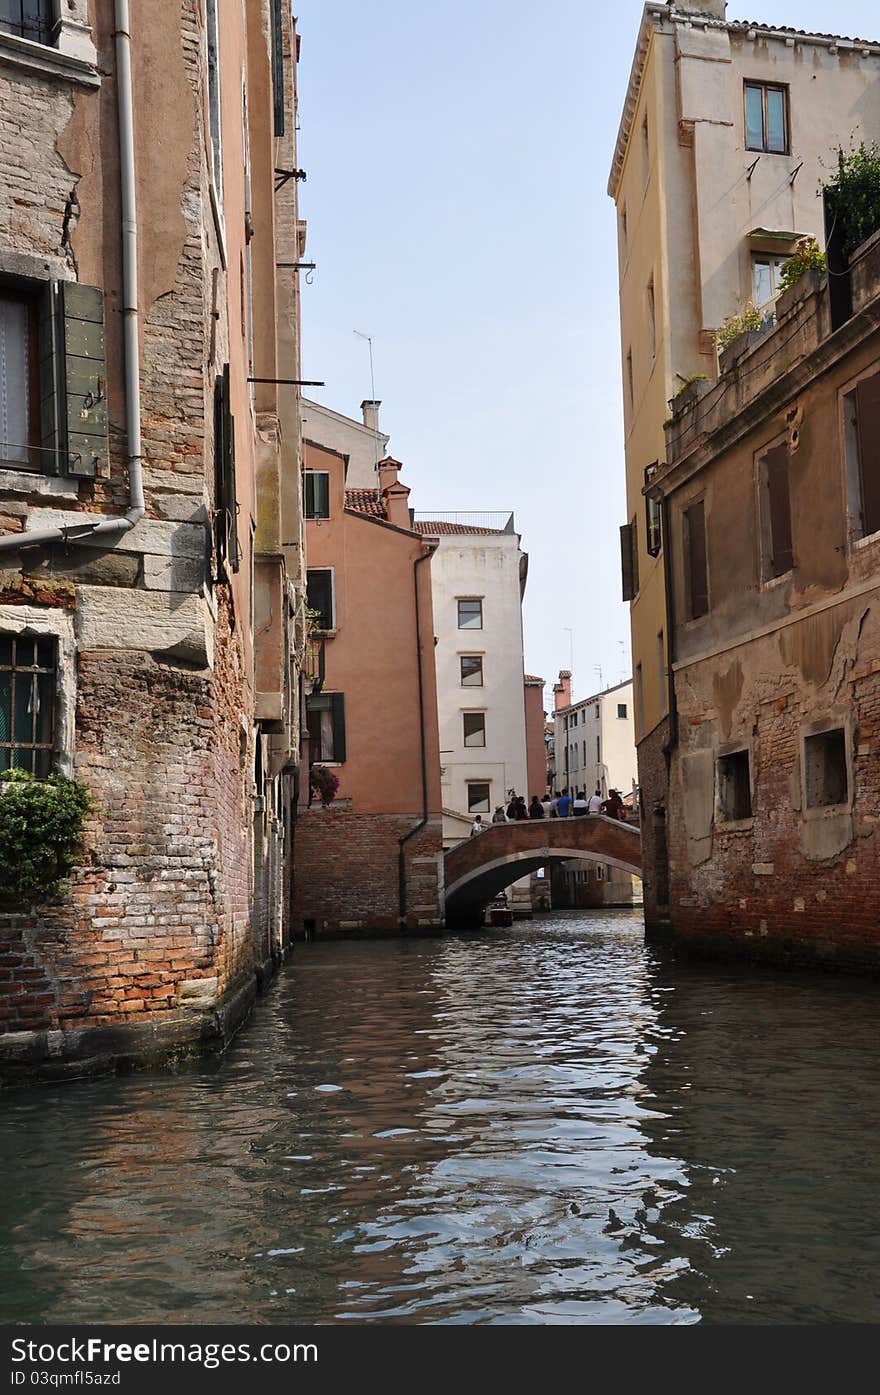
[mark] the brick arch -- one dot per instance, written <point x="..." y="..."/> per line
<point x="479" y="868"/>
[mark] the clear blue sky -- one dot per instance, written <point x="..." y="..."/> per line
<point x="457" y="158"/>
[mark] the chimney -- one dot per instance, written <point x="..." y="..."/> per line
<point x="562" y="690"/>
<point x="716" y="8"/>
<point x="371" y="415"/>
<point x="394" y="495"/>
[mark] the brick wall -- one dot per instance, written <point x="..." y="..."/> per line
<point x="346" y="871"/>
<point x="788" y="884"/>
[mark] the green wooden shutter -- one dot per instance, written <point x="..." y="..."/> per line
<point x="85" y="379"/>
<point x="337" y="713"/>
<point x="52" y="394"/>
<point x="626" y="562"/>
<point x="225" y="499"/>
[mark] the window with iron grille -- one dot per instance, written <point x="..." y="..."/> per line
<point x="27" y="703"/>
<point x="29" y="19"/>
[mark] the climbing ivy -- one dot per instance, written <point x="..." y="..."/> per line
<point x="41" y="827"/>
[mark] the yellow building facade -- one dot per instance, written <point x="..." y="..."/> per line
<point x="728" y="127"/>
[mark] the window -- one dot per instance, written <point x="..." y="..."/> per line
<point x="621" y="710"/>
<point x="585" y="755"/>
<point x="19" y="382"/>
<point x="325" y="718"/>
<point x="695" y="564"/>
<point x="53" y="398"/>
<point x="862" y="434"/>
<point x="766" y="273"/>
<point x="624" y="238"/>
<point x="646" y="151"/>
<point x="277" y="69"/>
<point x="471" y="670"/>
<point x="653" y="516"/>
<point x="470" y="615"/>
<point x="630" y="390"/>
<point x="28" y="19"/>
<point x="600" y="873"/>
<point x="27" y="703"/>
<point x="629" y="560"/>
<point x="597" y="711"/>
<point x="583" y="716"/>
<point x="316" y="492"/>
<point x="319" y="596"/>
<point x="214" y="95"/>
<point x="825" y="773"/>
<point x="734" y="787"/>
<point x="598" y="750"/>
<point x="766" y="117"/>
<point x="652" y="327"/>
<point x="775" y="512"/>
<point x="478" y="797"/>
<point x="225" y="493"/>
<point x="474" y="728"/>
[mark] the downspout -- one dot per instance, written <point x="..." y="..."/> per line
<point x="417" y="828"/>
<point x="76" y="532"/>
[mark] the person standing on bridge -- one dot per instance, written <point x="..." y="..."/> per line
<point x="536" y="808"/>
<point x="477" y="826"/>
<point x="579" y="807"/>
<point x="499" y="816"/>
<point x="563" y="804"/>
<point x="594" y="805"/>
<point x="613" y="806"/>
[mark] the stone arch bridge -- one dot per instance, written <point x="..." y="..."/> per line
<point x="478" y="868"/>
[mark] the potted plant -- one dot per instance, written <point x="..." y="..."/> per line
<point x="802" y="270"/>
<point x="323" y="784"/>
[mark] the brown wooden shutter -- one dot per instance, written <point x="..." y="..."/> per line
<point x="626" y="562"/>
<point x="337" y="715"/>
<point x="697" y="570"/>
<point x="868" y="427"/>
<point x="776" y="478"/>
<point x="225" y="498"/>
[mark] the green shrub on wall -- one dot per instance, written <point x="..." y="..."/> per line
<point x="853" y="194"/>
<point x="41" y="828"/>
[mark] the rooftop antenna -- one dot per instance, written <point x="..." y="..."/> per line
<point x="598" y="668"/>
<point x="369" y="339"/>
<point x="622" y="659"/>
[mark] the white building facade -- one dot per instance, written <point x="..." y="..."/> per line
<point x="595" y="744"/>
<point x="478" y="580"/>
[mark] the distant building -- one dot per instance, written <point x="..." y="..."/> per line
<point x="595" y="749"/>
<point x="478" y="578"/>
<point x="772" y="497"/>
<point x="727" y="127"/>
<point x="536" y="745"/>
<point x="594" y="740"/>
<point x="372" y="859"/>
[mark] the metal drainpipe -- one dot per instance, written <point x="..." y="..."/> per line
<point x="16" y="542"/>
<point x="417" y="828"/>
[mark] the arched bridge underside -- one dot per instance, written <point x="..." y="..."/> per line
<point x="479" y="868"/>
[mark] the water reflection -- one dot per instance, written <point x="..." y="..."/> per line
<point x="542" y="1125"/>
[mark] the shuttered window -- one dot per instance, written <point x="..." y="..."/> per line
<point x="28" y="19"/>
<point x="326" y="725"/>
<point x="53" y="394"/>
<point x="629" y="560"/>
<point x="776" y="512"/>
<point x="867" y="404"/>
<point x="277" y="69"/>
<point x="225" y="496"/>
<point x="696" y="569"/>
<point x="316" y="494"/>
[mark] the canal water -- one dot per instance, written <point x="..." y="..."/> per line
<point x="551" y="1124"/>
